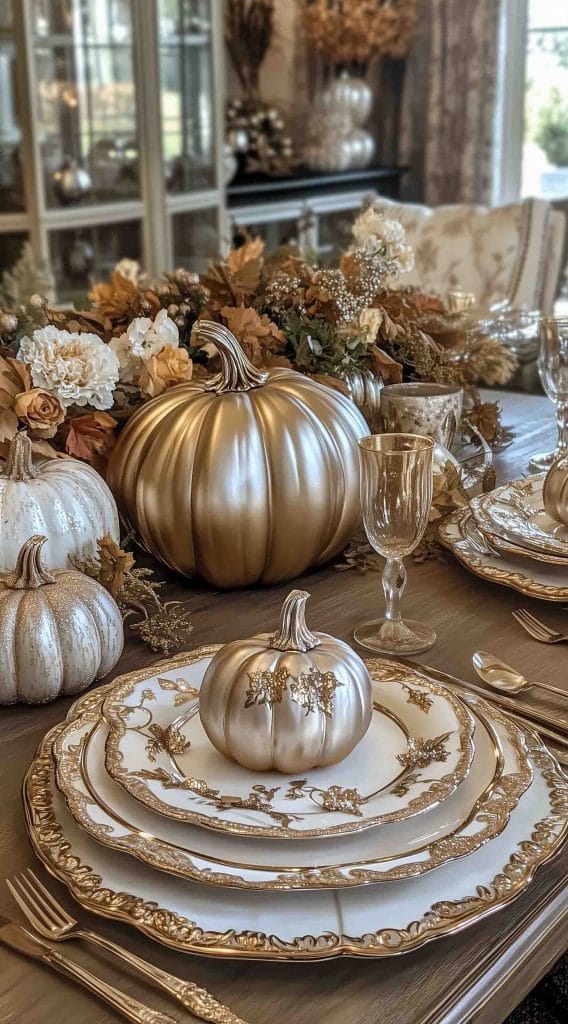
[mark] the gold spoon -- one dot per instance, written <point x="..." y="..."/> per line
<point x="501" y="676"/>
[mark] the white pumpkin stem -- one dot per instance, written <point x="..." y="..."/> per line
<point x="237" y="372"/>
<point x="30" y="573"/>
<point x="294" y="634"/>
<point x="19" y="465"/>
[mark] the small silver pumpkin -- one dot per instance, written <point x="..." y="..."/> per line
<point x="59" y="631"/>
<point x="555" y="490"/>
<point x="288" y="701"/>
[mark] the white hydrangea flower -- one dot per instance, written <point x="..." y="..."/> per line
<point x="130" y="269"/>
<point x="143" y="339"/>
<point x="78" y="369"/>
<point x="383" y="236"/>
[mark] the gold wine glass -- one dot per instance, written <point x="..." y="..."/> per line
<point x="396" y="494"/>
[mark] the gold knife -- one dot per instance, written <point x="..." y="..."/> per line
<point x="20" y="939"/>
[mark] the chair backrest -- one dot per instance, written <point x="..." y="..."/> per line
<point x="507" y="252"/>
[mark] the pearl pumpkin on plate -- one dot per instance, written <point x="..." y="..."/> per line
<point x="247" y="477"/>
<point x="289" y="701"/>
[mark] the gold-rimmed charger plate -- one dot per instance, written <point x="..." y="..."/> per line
<point x="373" y="921"/>
<point x="420" y="727"/>
<point x="549" y="583"/>
<point x="474" y="814"/>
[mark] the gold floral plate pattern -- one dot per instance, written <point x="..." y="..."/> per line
<point x="423" y="732"/>
<point x="367" y="922"/>
<point x="474" y="814"/>
<point x="516" y="513"/>
<point x="550" y="583"/>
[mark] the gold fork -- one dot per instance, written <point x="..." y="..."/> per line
<point x="52" y="921"/>
<point x="537" y="629"/>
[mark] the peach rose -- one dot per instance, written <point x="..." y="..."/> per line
<point x="169" y="367"/>
<point x="40" y="411"/>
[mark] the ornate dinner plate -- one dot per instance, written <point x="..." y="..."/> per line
<point x="372" y="921"/>
<point x="417" y="750"/>
<point x="515" y="512"/>
<point x="459" y="534"/>
<point x="507" y="547"/>
<point x="476" y="812"/>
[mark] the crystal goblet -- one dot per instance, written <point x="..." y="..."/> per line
<point x="396" y="494"/>
<point x="553" y="370"/>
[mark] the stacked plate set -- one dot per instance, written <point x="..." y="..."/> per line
<point x="506" y="536"/>
<point x="439" y="816"/>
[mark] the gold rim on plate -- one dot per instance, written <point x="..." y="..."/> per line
<point x="491" y="808"/>
<point x="473" y="561"/>
<point x="335" y="799"/>
<point x="169" y="927"/>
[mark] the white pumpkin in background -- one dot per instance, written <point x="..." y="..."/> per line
<point x="63" y="499"/>
<point x="59" y="631"/>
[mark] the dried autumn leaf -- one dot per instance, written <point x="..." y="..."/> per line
<point x="485" y="416"/>
<point x="14" y="378"/>
<point x="90" y="435"/>
<point x="257" y="335"/>
<point x="385" y="366"/>
<point x="251" y="250"/>
<point x="114" y="564"/>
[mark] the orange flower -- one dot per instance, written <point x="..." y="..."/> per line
<point x="40" y="411"/>
<point x="91" y="436"/>
<point x="169" y="367"/>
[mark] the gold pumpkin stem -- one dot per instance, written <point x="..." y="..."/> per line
<point x="30" y="573"/>
<point x="293" y="634"/>
<point x="19" y="465"/>
<point x="237" y="372"/>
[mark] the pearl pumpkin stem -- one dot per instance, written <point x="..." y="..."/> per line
<point x="237" y="372"/>
<point x="30" y="573"/>
<point x="19" y="465"/>
<point x="293" y="634"/>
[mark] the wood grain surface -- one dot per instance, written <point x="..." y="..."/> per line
<point x="479" y="974"/>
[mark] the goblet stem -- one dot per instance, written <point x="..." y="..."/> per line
<point x="562" y="424"/>
<point x="394" y="582"/>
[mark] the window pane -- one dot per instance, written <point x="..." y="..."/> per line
<point x="86" y="100"/>
<point x="187" y="87"/>
<point x="196" y="239"/>
<point x="11" y="249"/>
<point x="545" y="149"/>
<point x="11" y="193"/>
<point x="81" y="256"/>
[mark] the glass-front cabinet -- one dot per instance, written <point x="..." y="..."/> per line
<point x="110" y="135"/>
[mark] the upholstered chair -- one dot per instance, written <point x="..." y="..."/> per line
<point x="509" y="252"/>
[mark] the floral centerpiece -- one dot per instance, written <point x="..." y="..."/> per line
<point x="72" y="377"/>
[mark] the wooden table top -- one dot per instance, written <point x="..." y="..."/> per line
<point x="481" y="973"/>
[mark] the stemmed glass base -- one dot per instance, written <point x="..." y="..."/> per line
<point x="383" y="636"/>
<point x="544" y="460"/>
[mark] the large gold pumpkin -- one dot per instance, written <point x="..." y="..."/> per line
<point x="289" y="701"/>
<point x="248" y="477"/>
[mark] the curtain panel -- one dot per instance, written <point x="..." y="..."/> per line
<point x="449" y="108"/>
